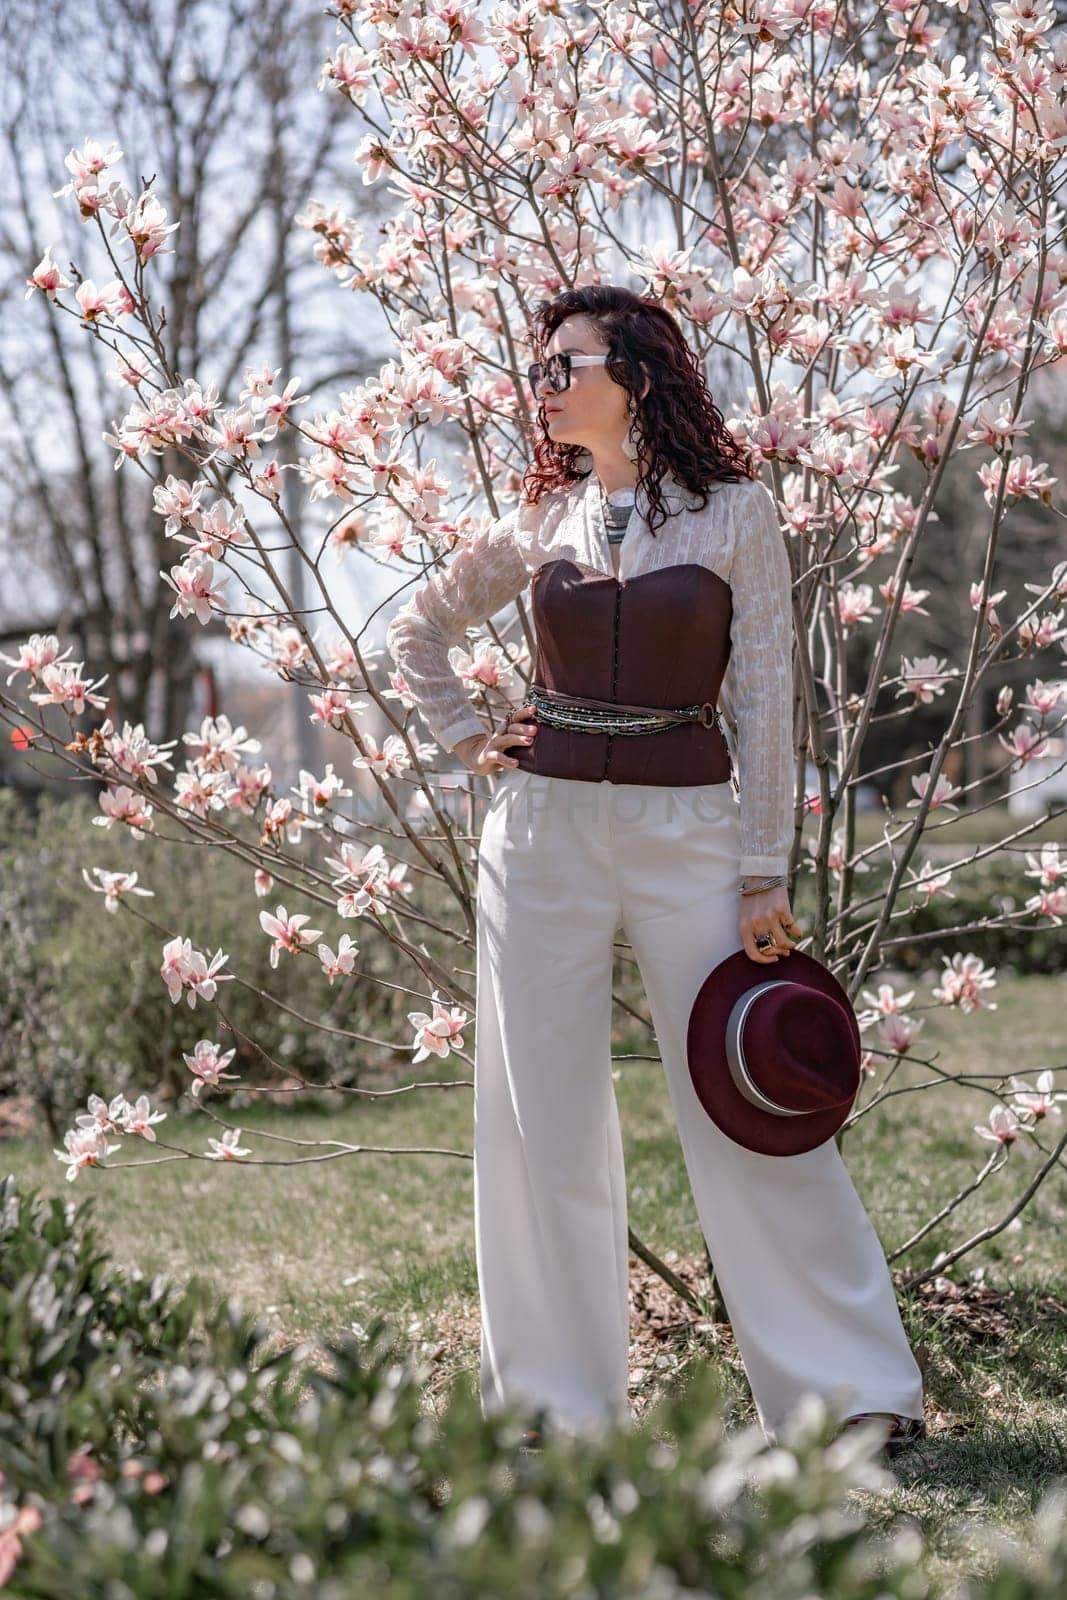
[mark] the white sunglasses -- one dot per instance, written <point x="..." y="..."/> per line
<point x="557" y="369"/>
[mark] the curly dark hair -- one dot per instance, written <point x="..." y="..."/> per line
<point x="678" y="425"/>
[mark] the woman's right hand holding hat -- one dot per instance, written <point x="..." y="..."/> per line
<point x="767" y="914"/>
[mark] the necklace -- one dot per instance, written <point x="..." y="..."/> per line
<point x="617" y="513"/>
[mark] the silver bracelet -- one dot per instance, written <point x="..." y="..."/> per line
<point x="767" y="883"/>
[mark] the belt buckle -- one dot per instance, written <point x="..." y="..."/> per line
<point x="707" y="715"/>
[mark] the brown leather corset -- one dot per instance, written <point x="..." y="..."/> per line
<point x="661" y="638"/>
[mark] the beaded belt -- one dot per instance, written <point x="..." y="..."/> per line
<point x="583" y="715"/>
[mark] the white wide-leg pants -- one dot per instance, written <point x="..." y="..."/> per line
<point x="564" y="864"/>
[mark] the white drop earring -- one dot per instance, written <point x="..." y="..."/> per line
<point x="630" y="444"/>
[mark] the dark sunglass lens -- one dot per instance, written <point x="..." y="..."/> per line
<point x="559" y="371"/>
<point x="535" y="374"/>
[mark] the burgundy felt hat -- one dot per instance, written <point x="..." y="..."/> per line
<point x="774" y="1056"/>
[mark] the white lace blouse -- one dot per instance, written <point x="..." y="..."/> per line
<point x="736" y="535"/>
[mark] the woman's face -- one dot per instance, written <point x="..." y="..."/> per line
<point x="594" y="410"/>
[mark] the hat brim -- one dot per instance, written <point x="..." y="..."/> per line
<point x="738" y="1118"/>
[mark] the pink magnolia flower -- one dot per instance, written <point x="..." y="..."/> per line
<point x="1025" y="743"/>
<point x="353" y="530"/>
<point x="146" y="223"/>
<point x="391" y="759"/>
<point x="219" y="746"/>
<point x="122" y="804"/>
<point x="897" y="353"/>
<point x="1026" y="479"/>
<point x="259" y="384"/>
<point x="39" y="651"/>
<point x="65" y="686"/>
<point x="1045" y="631"/>
<point x="353" y="862"/>
<point x="247" y="787"/>
<point x="133" y="753"/>
<point x="943" y="791"/>
<point x="227" y="1148"/>
<point x="319" y="793"/>
<point x="989" y="607"/>
<point x="991" y="600"/>
<point x="179" y="502"/>
<point x="930" y="882"/>
<point x="287" y="932"/>
<point x="393" y="880"/>
<point x="855" y="604"/>
<point x="85" y="1147"/>
<point x="484" y="667"/>
<point x="199" y="793"/>
<point x="193" y="583"/>
<point x="47" y="277"/>
<point x="328" y="474"/>
<point x="341" y="660"/>
<point x="1040" y="1102"/>
<point x="103" y="1117"/>
<point x="89" y="162"/>
<point x="1057" y="583"/>
<point x="218" y="530"/>
<point x="113" y="885"/>
<point x="924" y="677"/>
<point x="276" y="816"/>
<point x="962" y="981"/>
<point x="206" y="1064"/>
<point x="263" y="881"/>
<point x="138" y="1118"/>
<point x="437" y="1034"/>
<point x="1004" y="1128"/>
<point x="339" y="965"/>
<point x="235" y="433"/>
<point x="329" y="707"/>
<point x="112" y="301"/>
<point x="952" y="85"/>
<point x="837" y="856"/>
<point x="993" y="426"/>
<point x="1043" y="697"/>
<point x="354" y="902"/>
<point x="887" y="1001"/>
<point x="912" y="598"/>
<point x="1047" y="865"/>
<point x="899" y="1032"/>
<point x="1050" y="902"/>
<point x="368" y="871"/>
<point x="130" y="367"/>
<point x="187" y="970"/>
<point x="351" y="69"/>
<point x="275" y="408"/>
<point x="203" y="978"/>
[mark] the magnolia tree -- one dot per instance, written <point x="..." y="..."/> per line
<point x="859" y="206"/>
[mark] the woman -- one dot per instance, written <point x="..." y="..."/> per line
<point x="660" y="582"/>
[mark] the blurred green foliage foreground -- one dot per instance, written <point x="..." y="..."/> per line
<point x="151" y="1448"/>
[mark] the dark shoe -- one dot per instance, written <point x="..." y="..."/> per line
<point x="906" y="1431"/>
<point x="900" y="1431"/>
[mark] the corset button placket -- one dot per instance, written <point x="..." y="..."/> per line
<point x="619" y="582"/>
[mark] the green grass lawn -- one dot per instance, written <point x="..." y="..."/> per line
<point x="316" y="1247"/>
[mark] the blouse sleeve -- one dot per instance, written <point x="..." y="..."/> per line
<point x="486" y="573"/>
<point x="757" y="687"/>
